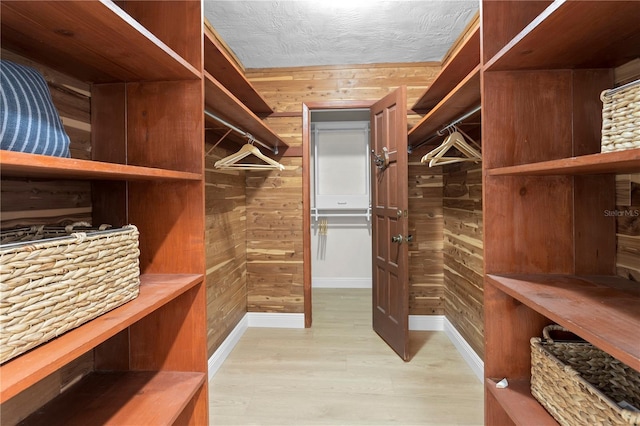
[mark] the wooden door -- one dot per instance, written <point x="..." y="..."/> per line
<point x="390" y="222"/>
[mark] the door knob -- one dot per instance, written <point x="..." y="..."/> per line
<point x="400" y="239"/>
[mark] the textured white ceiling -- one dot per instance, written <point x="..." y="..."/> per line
<point x="272" y="34"/>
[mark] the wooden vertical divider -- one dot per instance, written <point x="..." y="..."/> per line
<point x="504" y="19"/>
<point x="178" y="23"/>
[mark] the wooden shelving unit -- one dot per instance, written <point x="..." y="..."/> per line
<point x="581" y="303"/>
<point x="609" y="162"/>
<point x="155" y="291"/>
<point x="454" y="92"/>
<point x="539" y="47"/>
<point x="95" y="41"/>
<point x="223" y="69"/>
<point x="550" y="245"/>
<point x="220" y="101"/>
<point x="463" y="98"/>
<point x="42" y="166"/>
<point x="122" y="398"/>
<point x="523" y="409"/>
<point x="464" y="60"/>
<point x="143" y="60"/>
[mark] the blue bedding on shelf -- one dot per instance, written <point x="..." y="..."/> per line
<point x="29" y="122"/>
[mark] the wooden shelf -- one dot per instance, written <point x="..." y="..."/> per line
<point x="224" y="69"/>
<point x="44" y="166"/>
<point x="567" y="34"/>
<point x="609" y="162"/>
<point x="519" y="404"/>
<point x="221" y="102"/>
<point x="25" y="370"/>
<point x="118" y="398"/>
<point x="464" y="97"/>
<point x="602" y="310"/>
<point x="94" y="41"/>
<point x="462" y="62"/>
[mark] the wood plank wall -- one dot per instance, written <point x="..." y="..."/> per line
<point x="51" y="202"/>
<point x="226" y="247"/>
<point x="628" y="226"/>
<point x="274" y="239"/>
<point x="426" y="289"/>
<point x="463" y="252"/>
<point x="628" y="200"/>
<point x="274" y="204"/>
<point x="54" y="201"/>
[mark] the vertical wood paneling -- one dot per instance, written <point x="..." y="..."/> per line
<point x="463" y="252"/>
<point x="225" y="242"/>
<point x="274" y="202"/>
<point x="426" y="289"/>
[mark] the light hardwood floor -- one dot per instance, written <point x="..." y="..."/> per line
<point x="339" y="372"/>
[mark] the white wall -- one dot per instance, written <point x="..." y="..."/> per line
<point x="342" y="258"/>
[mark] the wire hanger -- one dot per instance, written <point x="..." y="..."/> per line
<point x="232" y="161"/>
<point x="436" y="157"/>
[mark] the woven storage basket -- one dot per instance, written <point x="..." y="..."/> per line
<point x="50" y="284"/>
<point x="581" y="385"/>
<point x="621" y="117"/>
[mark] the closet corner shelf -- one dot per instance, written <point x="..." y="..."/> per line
<point x="574" y="35"/>
<point x="627" y="161"/>
<point x="601" y="309"/>
<point x="519" y="404"/>
<point x="94" y="41"/>
<point x="462" y="62"/>
<point x="464" y="96"/>
<point x="223" y="68"/>
<point x="132" y="397"/>
<point x="222" y="102"/>
<point x="21" y="164"/>
<point x="156" y="290"/>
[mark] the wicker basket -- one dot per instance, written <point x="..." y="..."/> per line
<point x="580" y="385"/>
<point x="621" y="117"/>
<point x="52" y="281"/>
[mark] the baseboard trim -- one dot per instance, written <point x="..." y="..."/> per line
<point x="467" y="352"/>
<point x="426" y="322"/>
<point x="223" y="351"/>
<point x="341" y="282"/>
<point x="275" y="320"/>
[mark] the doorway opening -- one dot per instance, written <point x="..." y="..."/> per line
<point x="389" y="216"/>
<point x="336" y="197"/>
<point x="340" y="214"/>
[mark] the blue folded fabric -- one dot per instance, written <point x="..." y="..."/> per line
<point x="29" y="122"/>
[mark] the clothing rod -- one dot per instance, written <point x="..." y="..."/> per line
<point x="343" y="214"/>
<point x="440" y="132"/>
<point x="315" y="213"/>
<point x="242" y="133"/>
